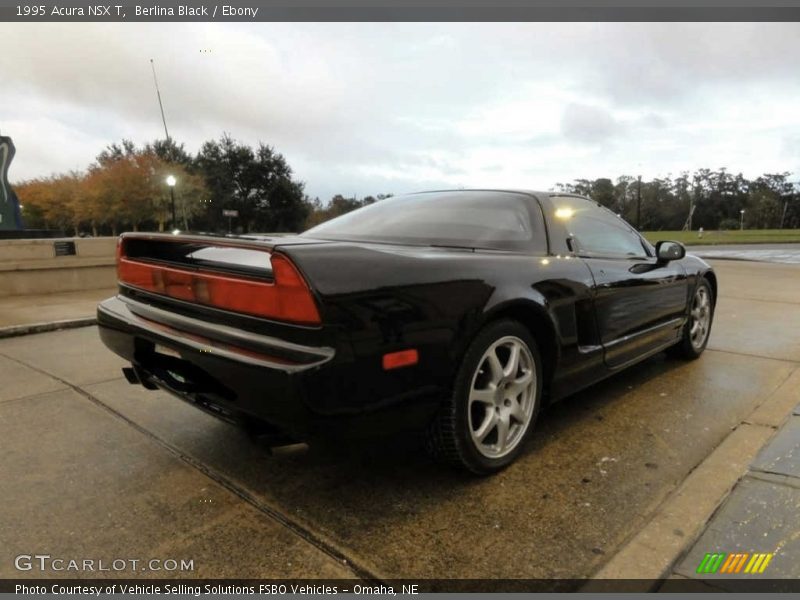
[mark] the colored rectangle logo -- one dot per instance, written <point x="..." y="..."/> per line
<point x="734" y="563"/>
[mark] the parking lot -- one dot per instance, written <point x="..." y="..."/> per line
<point x="97" y="468"/>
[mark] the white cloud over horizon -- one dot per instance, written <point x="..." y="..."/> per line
<point x="390" y="107"/>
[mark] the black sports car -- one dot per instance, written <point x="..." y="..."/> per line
<point x="454" y="312"/>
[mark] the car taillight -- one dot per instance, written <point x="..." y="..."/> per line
<point x="119" y="254"/>
<point x="286" y="298"/>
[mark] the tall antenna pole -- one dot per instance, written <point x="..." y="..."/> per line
<point x="170" y="179"/>
<point x="158" y="93"/>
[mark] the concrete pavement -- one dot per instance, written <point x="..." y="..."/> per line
<point x="126" y="466"/>
<point x="82" y="484"/>
<point x="20" y="314"/>
<point x="761" y="516"/>
<point x="776" y="253"/>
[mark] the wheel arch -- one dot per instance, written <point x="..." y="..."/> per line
<point x="712" y="281"/>
<point x="539" y="324"/>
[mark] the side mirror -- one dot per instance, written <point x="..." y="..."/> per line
<point x="667" y="251"/>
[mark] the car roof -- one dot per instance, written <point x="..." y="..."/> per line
<point x="538" y="193"/>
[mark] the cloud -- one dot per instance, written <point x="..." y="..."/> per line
<point x="366" y="108"/>
<point x="584" y="123"/>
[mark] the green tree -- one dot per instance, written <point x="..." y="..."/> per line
<point x="171" y="152"/>
<point x="337" y="206"/>
<point x="257" y="183"/>
<point x="602" y="190"/>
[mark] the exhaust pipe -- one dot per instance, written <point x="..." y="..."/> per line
<point x="136" y="375"/>
<point x="130" y="375"/>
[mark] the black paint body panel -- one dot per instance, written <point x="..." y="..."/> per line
<point x="590" y="317"/>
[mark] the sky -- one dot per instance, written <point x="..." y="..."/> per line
<point x="369" y="108"/>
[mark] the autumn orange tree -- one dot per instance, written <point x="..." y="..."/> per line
<point x="124" y="188"/>
<point x="51" y="201"/>
<point x="33" y="197"/>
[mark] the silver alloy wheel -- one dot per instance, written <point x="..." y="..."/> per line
<point x="701" y="317"/>
<point x="502" y="397"/>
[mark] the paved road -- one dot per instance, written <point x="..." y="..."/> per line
<point x="94" y="466"/>
<point x="776" y="253"/>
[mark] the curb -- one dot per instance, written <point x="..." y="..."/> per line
<point x="653" y="552"/>
<point x="18" y="330"/>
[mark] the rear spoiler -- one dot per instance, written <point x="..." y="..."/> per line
<point x="239" y="275"/>
<point x="244" y="257"/>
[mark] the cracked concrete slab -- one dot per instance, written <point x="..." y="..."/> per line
<point x="69" y="355"/>
<point x="757" y="281"/>
<point x="776" y="408"/>
<point x="599" y="465"/>
<point x="760" y="516"/>
<point x="758" y="310"/>
<point x="19" y="381"/>
<point x="757" y="327"/>
<point x="79" y="483"/>
<point x="651" y="553"/>
<point x="782" y="455"/>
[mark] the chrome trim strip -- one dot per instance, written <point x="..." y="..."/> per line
<point x="223" y="341"/>
<point x="674" y="323"/>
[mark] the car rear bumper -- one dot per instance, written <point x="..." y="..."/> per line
<point x="237" y="375"/>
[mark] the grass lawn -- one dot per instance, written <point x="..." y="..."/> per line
<point x="748" y="236"/>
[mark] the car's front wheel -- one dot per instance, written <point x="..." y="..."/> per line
<point x="495" y="401"/>
<point x="698" y="325"/>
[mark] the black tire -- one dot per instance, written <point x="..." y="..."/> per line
<point x="687" y="348"/>
<point x="450" y="437"/>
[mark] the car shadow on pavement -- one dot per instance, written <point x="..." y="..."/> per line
<point x="390" y="455"/>
<point x="597" y="464"/>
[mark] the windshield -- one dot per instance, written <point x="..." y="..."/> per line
<point x="471" y="219"/>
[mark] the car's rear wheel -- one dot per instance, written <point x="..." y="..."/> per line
<point x="496" y="398"/>
<point x="698" y="325"/>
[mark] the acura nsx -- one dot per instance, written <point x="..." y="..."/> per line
<point x="453" y="313"/>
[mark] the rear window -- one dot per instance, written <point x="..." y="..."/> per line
<point x="492" y="220"/>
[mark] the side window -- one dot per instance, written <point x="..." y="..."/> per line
<point x="597" y="231"/>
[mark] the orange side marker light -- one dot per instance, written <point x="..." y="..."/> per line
<point x="403" y="358"/>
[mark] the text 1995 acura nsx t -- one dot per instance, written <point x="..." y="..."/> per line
<point x="455" y="312"/>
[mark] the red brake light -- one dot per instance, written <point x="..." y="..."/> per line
<point x="118" y="254"/>
<point x="286" y="298"/>
<point x="295" y="302"/>
<point x="404" y="358"/>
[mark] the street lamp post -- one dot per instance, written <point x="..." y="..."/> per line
<point x="639" y="204"/>
<point x="741" y="220"/>
<point x="171" y="181"/>
<point x="785" y="206"/>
